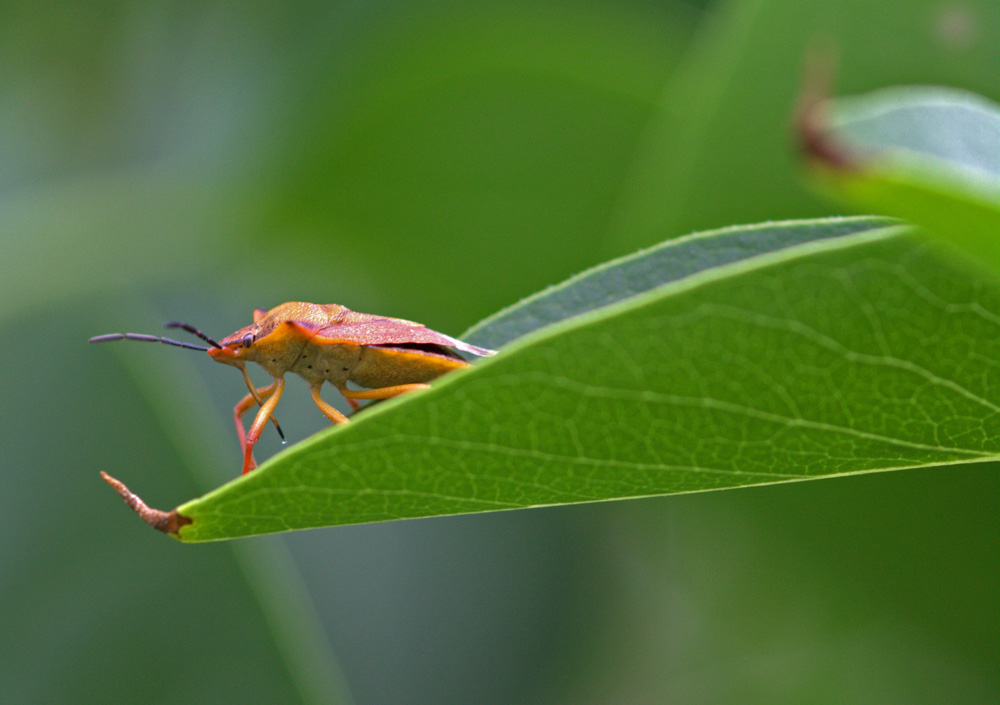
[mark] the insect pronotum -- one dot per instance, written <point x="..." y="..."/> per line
<point x="323" y="343"/>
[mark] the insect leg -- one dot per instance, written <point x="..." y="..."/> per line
<point x="243" y="406"/>
<point x="382" y="392"/>
<point x="259" y="422"/>
<point x="258" y="396"/>
<point x="327" y="410"/>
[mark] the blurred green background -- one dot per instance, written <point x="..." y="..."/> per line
<point x="433" y="161"/>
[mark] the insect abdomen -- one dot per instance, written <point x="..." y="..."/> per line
<point x="387" y="366"/>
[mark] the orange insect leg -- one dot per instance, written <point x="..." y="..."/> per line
<point x="382" y="392"/>
<point x="328" y="411"/>
<point x="259" y="422"/>
<point x="243" y="406"/>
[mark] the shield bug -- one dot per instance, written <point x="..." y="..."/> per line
<point x="323" y="343"/>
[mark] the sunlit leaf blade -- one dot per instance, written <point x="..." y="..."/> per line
<point x="852" y="354"/>
<point x="645" y="270"/>
<point x="929" y="155"/>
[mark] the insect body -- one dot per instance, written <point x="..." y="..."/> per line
<point x="324" y="343"/>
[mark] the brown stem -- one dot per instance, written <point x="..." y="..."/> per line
<point x="167" y="522"/>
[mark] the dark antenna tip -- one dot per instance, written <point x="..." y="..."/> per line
<point x="141" y="337"/>
<point x="193" y="331"/>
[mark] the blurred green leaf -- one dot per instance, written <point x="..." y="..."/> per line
<point x="929" y="155"/>
<point x="851" y="354"/>
<point x="718" y="152"/>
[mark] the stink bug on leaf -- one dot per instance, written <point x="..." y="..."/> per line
<point x="324" y="343"/>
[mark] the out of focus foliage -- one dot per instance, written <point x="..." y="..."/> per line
<point x="434" y="161"/>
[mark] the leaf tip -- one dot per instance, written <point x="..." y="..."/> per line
<point x="167" y="522"/>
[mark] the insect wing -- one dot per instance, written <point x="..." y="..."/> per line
<point x="388" y="331"/>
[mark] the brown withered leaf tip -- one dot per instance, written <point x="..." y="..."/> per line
<point x="812" y="126"/>
<point x="167" y="522"/>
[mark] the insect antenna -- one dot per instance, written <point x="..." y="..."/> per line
<point x="168" y="341"/>
<point x="145" y="339"/>
<point x="193" y="331"/>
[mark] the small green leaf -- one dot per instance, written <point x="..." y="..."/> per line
<point x="928" y="155"/>
<point x="842" y="355"/>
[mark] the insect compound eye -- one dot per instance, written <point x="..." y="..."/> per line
<point x="248" y="340"/>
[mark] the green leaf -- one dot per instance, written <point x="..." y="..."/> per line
<point x="843" y="355"/>
<point x="670" y="261"/>
<point x="718" y="152"/>
<point x="929" y="155"/>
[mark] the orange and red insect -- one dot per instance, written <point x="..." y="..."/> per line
<point x="324" y="343"/>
